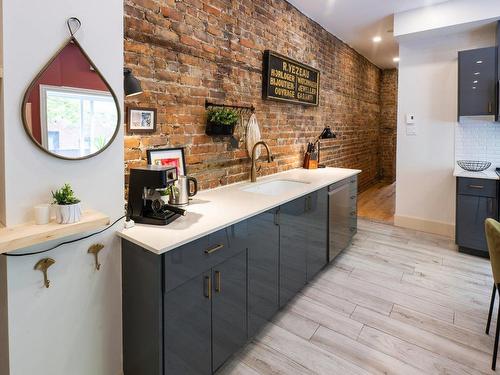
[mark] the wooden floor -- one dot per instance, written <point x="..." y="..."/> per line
<point x="378" y="202"/>
<point x="396" y="302"/>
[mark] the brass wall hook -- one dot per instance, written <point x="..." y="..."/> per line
<point x="43" y="265"/>
<point x="94" y="249"/>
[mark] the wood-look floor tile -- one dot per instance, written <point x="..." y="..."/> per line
<point x="398" y="301"/>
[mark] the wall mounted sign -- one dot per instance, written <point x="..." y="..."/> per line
<point x="289" y="81"/>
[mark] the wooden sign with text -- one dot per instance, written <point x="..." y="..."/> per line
<point x="289" y="81"/>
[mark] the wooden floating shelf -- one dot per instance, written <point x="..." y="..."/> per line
<point x="29" y="234"/>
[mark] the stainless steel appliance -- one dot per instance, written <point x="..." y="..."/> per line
<point x="342" y="216"/>
<point x="181" y="191"/>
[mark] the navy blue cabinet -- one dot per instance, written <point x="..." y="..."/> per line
<point x="477" y="200"/>
<point x="293" y="248"/>
<point x="477" y="82"/>
<point x="188" y="317"/>
<point x="317" y="231"/>
<point x="188" y="310"/>
<point x="303" y="241"/>
<point x="229" y="308"/>
<point x="263" y="269"/>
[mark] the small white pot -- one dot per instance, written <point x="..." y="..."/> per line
<point x="68" y="213"/>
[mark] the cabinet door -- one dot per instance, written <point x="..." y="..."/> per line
<point x="317" y="232"/>
<point x="229" y="307"/>
<point x="187" y="317"/>
<point x="263" y="266"/>
<point x="293" y="248"/>
<point x="472" y="211"/>
<point x="477" y="81"/>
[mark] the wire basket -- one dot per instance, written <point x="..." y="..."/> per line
<point x="473" y="165"/>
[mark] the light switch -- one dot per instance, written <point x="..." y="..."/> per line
<point x="410" y="118"/>
<point x="411" y="130"/>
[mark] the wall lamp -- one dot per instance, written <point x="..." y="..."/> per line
<point x="325" y="134"/>
<point x="131" y="85"/>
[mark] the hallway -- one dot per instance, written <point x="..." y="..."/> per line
<point x="378" y="202"/>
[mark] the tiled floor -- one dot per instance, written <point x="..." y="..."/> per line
<point x="396" y="302"/>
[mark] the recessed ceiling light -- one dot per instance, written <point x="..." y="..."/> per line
<point x="477" y="73"/>
<point x="396" y="59"/>
<point x="474" y="82"/>
<point x="473" y="87"/>
<point x="377" y="39"/>
<point x="479" y="61"/>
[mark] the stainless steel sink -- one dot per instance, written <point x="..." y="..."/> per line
<point x="275" y="187"/>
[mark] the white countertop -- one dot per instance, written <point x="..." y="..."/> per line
<point x="211" y="210"/>
<point x="488" y="174"/>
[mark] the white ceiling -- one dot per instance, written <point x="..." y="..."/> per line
<point x="356" y="22"/>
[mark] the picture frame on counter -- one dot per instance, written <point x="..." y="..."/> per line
<point x="141" y="120"/>
<point x="168" y="156"/>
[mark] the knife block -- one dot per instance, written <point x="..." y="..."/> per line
<point x="309" y="163"/>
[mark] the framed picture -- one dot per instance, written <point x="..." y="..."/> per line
<point x="141" y="120"/>
<point x="168" y="156"/>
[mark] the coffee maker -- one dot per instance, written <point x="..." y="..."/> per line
<point x="145" y="205"/>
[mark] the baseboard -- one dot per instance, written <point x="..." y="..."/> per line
<point x="435" y="227"/>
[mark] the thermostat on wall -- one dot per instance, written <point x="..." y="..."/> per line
<point x="410" y="118"/>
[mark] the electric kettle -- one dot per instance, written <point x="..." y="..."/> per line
<point x="181" y="191"/>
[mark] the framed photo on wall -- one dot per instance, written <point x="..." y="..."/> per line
<point x="141" y="120"/>
<point x="168" y="156"/>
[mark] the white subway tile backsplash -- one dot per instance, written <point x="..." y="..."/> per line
<point x="478" y="141"/>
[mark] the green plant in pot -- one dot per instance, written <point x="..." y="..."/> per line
<point x="68" y="208"/>
<point x="221" y="121"/>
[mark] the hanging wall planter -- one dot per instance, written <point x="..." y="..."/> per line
<point x="221" y="121"/>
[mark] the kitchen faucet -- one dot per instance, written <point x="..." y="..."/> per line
<point x="253" y="172"/>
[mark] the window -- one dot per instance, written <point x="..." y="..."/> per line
<point x="76" y="122"/>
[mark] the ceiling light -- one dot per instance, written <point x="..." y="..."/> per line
<point x="396" y="59"/>
<point x="377" y="39"/>
<point x="479" y="61"/>
<point x="477" y="73"/>
<point x="473" y="87"/>
<point x="474" y="82"/>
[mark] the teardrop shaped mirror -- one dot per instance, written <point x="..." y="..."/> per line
<point x="69" y="110"/>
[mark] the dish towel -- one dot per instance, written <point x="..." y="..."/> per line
<point x="253" y="135"/>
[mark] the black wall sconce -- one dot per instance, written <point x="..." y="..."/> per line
<point x="131" y="85"/>
<point x="325" y="134"/>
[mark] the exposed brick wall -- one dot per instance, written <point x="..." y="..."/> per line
<point x="184" y="52"/>
<point x="388" y="124"/>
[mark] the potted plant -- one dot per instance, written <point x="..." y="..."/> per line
<point x="221" y="121"/>
<point x="68" y="208"/>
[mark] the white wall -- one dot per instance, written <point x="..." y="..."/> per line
<point x="74" y="327"/>
<point x="425" y="191"/>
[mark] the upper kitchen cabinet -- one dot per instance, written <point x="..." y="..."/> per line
<point x="477" y="83"/>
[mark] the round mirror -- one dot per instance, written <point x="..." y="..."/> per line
<point x="69" y="110"/>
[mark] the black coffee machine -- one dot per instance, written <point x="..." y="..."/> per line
<point x="145" y="205"/>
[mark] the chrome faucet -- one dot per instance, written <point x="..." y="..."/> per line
<point x="253" y="171"/>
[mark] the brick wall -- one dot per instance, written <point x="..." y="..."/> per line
<point x="388" y="124"/>
<point x="187" y="51"/>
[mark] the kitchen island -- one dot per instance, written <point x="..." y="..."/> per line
<point x="197" y="289"/>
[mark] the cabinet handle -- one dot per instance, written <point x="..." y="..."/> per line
<point x="490" y="201"/>
<point x="277" y="218"/>
<point x="208" y="287"/>
<point x="476" y="186"/>
<point x="489" y="107"/>
<point x="214" y="248"/>
<point x="218" y="285"/>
